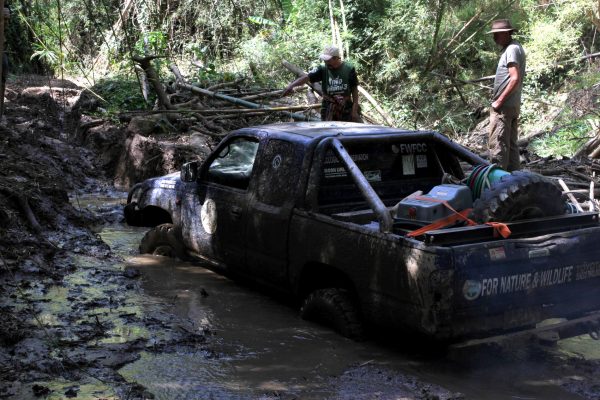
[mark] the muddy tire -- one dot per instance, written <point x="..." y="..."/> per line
<point x="519" y="196"/>
<point x="133" y="216"/>
<point x="162" y="241"/>
<point x="334" y="308"/>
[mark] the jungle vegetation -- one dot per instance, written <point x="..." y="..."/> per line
<point x="412" y="55"/>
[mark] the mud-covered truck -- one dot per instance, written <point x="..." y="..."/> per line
<point x="378" y="225"/>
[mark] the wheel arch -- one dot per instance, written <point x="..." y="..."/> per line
<point x="149" y="216"/>
<point x="316" y="275"/>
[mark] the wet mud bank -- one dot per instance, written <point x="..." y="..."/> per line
<point x="72" y="313"/>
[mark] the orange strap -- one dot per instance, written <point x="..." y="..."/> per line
<point x="441" y="223"/>
<point x="499" y="228"/>
<point x="448" y="206"/>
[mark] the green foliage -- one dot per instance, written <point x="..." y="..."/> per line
<point x="261" y="21"/>
<point x="410" y="54"/>
<point x="564" y="142"/>
<point x="151" y="43"/>
<point x="121" y="93"/>
<point x="553" y="35"/>
<point x="45" y="55"/>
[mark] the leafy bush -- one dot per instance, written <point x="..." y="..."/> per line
<point x="564" y="142"/>
<point x="121" y="93"/>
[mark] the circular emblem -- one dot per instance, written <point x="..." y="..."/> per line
<point x="471" y="289"/>
<point x="276" y="163"/>
<point x="208" y="216"/>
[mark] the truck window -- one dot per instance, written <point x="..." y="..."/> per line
<point x="277" y="172"/>
<point x="394" y="170"/>
<point x="233" y="166"/>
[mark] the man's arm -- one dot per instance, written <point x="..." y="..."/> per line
<point x="300" y="81"/>
<point x="513" y="82"/>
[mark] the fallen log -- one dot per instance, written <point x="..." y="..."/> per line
<point x="208" y="93"/>
<point x="226" y="110"/>
<point x="145" y="63"/>
<point x="225" y="84"/>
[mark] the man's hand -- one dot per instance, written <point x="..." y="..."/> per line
<point x="496" y="105"/>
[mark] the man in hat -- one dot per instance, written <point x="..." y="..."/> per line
<point x="340" y="87"/>
<point x="506" y="98"/>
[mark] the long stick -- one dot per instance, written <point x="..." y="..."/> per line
<point x="570" y="195"/>
<point x="332" y="22"/>
<point x="378" y="108"/>
<point x="345" y="26"/>
<point x="226" y="110"/>
<point x="299" y="72"/>
<point x="2" y="83"/>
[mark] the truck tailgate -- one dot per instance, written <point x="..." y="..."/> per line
<point x="516" y="283"/>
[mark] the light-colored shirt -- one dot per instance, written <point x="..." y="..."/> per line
<point x="513" y="53"/>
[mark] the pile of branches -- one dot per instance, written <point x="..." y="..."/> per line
<point x="222" y="107"/>
<point x="225" y="106"/>
<point x="579" y="179"/>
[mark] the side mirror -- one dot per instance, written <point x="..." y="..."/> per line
<point x="189" y="171"/>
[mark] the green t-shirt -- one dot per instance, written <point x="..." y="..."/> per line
<point x="339" y="81"/>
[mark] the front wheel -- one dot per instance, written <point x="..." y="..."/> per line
<point x="162" y="241"/>
<point x="334" y="307"/>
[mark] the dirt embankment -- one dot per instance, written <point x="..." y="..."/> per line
<point x="66" y="300"/>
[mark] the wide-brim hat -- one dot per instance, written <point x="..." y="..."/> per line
<point x="502" y="25"/>
<point x="329" y="52"/>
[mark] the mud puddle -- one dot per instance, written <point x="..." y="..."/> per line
<point x="260" y="348"/>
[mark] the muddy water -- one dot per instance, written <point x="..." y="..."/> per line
<point x="262" y="349"/>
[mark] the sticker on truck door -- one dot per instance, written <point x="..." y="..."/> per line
<point x="208" y="216"/>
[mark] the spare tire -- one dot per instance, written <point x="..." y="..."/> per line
<point x="519" y="196"/>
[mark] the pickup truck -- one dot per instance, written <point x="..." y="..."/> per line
<point x="346" y="218"/>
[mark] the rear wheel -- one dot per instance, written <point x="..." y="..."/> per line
<point x="335" y="308"/>
<point x="162" y="241"/>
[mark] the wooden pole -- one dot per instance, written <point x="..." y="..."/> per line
<point x="2" y="72"/>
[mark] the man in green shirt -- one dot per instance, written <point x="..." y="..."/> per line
<point x="340" y="87"/>
<point x="506" y="98"/>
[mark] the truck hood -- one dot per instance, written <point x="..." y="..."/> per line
<point x="163" y="182"/>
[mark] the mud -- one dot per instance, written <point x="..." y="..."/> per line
<point x="84" y="316"/>
<point x="72" y="314"/>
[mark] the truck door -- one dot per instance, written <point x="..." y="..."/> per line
<point x="223" y="214"/>
<point x="275" y="184"/>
